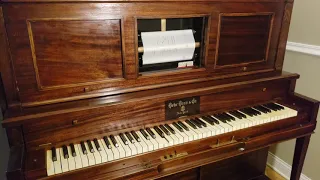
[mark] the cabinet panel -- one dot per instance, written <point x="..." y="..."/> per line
<point x="243" y="38"/>
<point x="69" y="52"/>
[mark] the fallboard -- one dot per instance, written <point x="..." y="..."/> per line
<point x="149" y="110"/>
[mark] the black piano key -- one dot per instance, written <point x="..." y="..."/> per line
<point x="236" y="114"/>
<point x="134" y="134"/>
<point x="201" y="122"/>
<point x="208" y="120"/>
<point x="191" y="124"/>
<point x="106" y="140"/>
<point x="262" y="109"/>
<point x="183" y="126"/>
<point x="124" y="139"/>
<point x="114" y="141"/>
<point x="177" y="126"/>
<point x="275" y="106"/>
<point x="223" y="116"/>
<point x="130" y="137"/>
<point x="220" y="118"/>
<point x="195" y="123"/>
<point x="164" y="130"/>
<point x="230" y="117"/>
<point x="65" y="152"/>
<point x="256" y="111"/>
<point x="158" y="131"/>
<point x="83" y="147"/>
<point x="96" y="143"/>
<point x="90" y="146"/>
<point x="143" y="132"/>
<point x="73" y="151"/>
<point x="54" y="154"/>
<point x="243" y="115"/>
<point x="279" y="106"/>
<point x="213" y="119"/>
<point x="269" y="106"/>
<point x="170" y="129"/>
<point x="246" y="111"/>
<point x="151" y="133"/>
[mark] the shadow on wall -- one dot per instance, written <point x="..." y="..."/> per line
<point x="4" y="151"/>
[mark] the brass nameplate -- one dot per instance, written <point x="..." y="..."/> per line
<point x="182" y="107"/>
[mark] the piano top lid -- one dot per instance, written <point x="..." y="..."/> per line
<point x="151" y="1"/>
<point x="17" y="116"/>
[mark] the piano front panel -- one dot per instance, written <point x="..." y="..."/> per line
<point x="136" y="114"/>
<point x="70" y="52"/>
<point x="82" y="50"/>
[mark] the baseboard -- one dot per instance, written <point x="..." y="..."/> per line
<point x="281" y="167"/>
<point x="303" y="48"/>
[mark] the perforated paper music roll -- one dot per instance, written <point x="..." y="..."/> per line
<point x="167" y="46"/>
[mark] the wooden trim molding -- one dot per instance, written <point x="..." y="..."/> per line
<point x="282" y="167"/>
<point x="303" y="48"/>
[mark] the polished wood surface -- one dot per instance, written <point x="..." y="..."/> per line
<point x="70" y="71"/>
<point x="88" y="51"/>
<point x="24" y="49"/>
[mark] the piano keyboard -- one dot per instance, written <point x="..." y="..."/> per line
<point x="117" y="146"/>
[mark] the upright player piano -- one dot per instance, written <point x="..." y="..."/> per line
<point x="141" y="89"/>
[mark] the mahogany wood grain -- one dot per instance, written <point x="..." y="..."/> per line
<point x="144" y="113"/>
<point x="300" y="152"/>
<point x="70" y="52"/>
<point x="26" y="75"/>
<point x="284" y="34"/>
<point x="6" y="70"/>
<point x="243" y="38"/>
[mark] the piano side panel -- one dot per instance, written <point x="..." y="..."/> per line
<point x="40" y="62"/>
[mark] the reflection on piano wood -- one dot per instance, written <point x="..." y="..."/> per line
<point x="91" y="152"/>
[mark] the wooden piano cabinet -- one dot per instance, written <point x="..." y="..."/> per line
<point x="70" y="72"/>
<point x="89" y="49"/>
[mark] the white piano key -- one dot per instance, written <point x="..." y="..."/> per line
<point x="57" y="163"/>
<point x="182" y="137"/>
<point x="170" y="140"/>
<point x="50" y="166"/>
<point x="192" y="131"/>
<point x="160" y="141"/>
<point x="147" y="142"/>
<point x="210" y="127"/>
<point x="133" y="148"/>
<point x="108" y="152"/>
<point x="84" y="157"/>
<point x="71" y="162"/>
<point x="103" y="153"/>
<point x="77" y="158"/>
<point x="126" y="148"/>
<point x="90" y="155"/>
<point x="226" y="127"/>
<point x="64" y="162"/>
<point x="175" y="139"/>
<point x="240" y="122"/>
<point x="117" y="152"/>
<point x="138" y="147"/>
<point x="96" y="154"/>
<point x="154" y="143"/>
